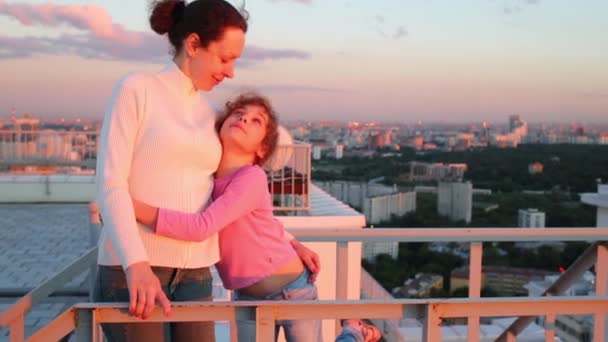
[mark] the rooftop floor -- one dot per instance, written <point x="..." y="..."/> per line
<point x="39" y="240"/>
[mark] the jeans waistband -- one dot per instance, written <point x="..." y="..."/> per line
<point x="300" y="282"/>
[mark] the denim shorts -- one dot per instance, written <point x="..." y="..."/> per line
<point x="295" y="330"/>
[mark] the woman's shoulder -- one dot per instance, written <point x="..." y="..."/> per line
<point x="135" y="80"/>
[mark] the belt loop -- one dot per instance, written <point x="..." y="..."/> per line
<point x="175" y="278"/>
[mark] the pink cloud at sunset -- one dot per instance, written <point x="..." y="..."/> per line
<point x="100" y="36"/>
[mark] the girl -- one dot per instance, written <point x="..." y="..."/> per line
<point x="256" y="259"/>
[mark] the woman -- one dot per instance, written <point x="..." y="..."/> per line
<point x="158" y="144"/>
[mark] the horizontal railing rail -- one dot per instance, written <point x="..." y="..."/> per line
<point x="86" y="318"/>
<point x="14" y="317"/>
<point x="589" y="234"/>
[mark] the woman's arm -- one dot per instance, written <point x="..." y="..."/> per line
<point x="244" y="193"/>
<point x="117" y="142"/>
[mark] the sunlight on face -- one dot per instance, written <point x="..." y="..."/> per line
<point x="246" y="129"/>
<point x="209" y="66"/>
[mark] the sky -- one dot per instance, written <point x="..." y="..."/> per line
<point x="389" y="60"/>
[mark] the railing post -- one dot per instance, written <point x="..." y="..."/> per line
<point x="475" y="271"/>
<point x="17" y="329"/>
<point x="95" y="224"/>
<point x="600" y="332"/>
<point x="96" y="328"/>
<point x="550" y="328"/>
<point x="341" y="275"/>
<point x="431" y="330"/>
<point x="84" y="325"/>
<point x="264" y="324"/>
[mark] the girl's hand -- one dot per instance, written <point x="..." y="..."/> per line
<point x="145" y="213"/>
<point x="309" y="258"/>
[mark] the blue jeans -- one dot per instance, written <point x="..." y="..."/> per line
<point x="295" y="330"/>
<point x="349" y="334"/>
<point x="178" y="285"/>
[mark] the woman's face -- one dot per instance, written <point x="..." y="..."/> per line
<point x="209" y="66"/>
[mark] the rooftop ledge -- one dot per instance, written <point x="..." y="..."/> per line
<point x="596" y="199"/>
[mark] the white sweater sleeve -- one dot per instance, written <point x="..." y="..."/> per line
<point x="116" y="146"/>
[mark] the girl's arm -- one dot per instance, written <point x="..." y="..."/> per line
<point x="244" y="193"/>
<point x="145" y="213"/>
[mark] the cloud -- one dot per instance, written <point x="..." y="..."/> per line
<point x="378" y="26"/>
<point x="400" y="32"/>
<point x="305" y="2"/>
<point x="509" y="9"/>
<point x="253" y="52"/>
<point x="594" y="95"/>
<point x="283" y="88"/>
<point x="100" y="37"/>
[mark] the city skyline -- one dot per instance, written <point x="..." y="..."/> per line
<point x="386" y="61"/>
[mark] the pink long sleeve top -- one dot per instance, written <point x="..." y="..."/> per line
<point x="253" y="244"/>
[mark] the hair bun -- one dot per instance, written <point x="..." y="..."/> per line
<point x="165" y="14"/>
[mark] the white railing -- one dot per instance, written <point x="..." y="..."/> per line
<point x="289" y="177"/>
<point x="372" y="290"/>
<point x="48" y="147"/>
<point x="85" y="318"/>
<point x="289" y="171"/>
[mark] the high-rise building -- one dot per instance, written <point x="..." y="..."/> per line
<point x="339" y="151"/>
<point x="316" y="152"/>
<point x="531" y="218"/>
<point x="378" y="202"/>
<point x="455" y="200"/>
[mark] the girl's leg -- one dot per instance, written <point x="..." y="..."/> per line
<point x="301" y="330"/>
<point x="246" y="328"/>
<point x="356" y="330"/>
<point x="350" y="334"/>
<point x="192" y="285"/>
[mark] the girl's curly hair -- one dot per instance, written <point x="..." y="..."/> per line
<point x="272" y="131"/>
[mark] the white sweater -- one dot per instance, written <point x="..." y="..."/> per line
<point x="157" y="144"/>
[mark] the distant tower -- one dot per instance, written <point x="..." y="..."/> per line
<point x="455" y="200"/>
<point x="530" y="218"/>
<point x="339" y="151"/>
<point x="316" y="152"/>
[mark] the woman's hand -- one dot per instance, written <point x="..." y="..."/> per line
<point x="145" y="213"/>
<point x="145" y="291"/>
<point x="309" y="258"/>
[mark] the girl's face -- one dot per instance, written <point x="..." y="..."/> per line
<point x="246" y="130"/>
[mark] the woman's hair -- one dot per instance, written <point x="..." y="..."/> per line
<point x="207" y="18"/>
<point x="272" y="129"/>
